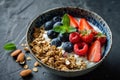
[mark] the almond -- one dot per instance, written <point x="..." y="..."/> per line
<point x="20" y="57"/>
<point x="36" y="64"/>
<point x="26" y="72"/>
<point x="16" y="52"/>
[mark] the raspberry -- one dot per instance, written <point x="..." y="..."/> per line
<point x="81" y="48"/>
<point x="74" y="37"/>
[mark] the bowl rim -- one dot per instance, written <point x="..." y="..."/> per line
<point x="79" y="8"/>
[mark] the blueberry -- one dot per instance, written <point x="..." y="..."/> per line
<point x="64" y="37"/>
<point x="52" y="34"/>
<point x="67" y="46"/>
<point x="57" y="24"/>
<point x="48" y="25"/>
<point x="57" y="19"/>
<point x="56" y="42"/>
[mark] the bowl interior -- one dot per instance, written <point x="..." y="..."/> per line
<point x="76" y="12"/>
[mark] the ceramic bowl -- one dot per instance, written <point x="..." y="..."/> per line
<point x="92" y="17"/>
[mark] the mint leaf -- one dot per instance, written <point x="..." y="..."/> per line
<point x="9" y="46"/>
<point x="66" y="20"/>
<point x="71" y="29"/>
<point x="65" y="28"/>
<point x="60" y="29"/>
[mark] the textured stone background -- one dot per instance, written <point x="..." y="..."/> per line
<point x="15" y="16"/>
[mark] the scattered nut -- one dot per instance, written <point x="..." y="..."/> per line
<point x="24" y="73"/>
<point x="16" y="52"/>
<point x="26" y="66"/>
<point x="28" y="58"/>
<point x="35" y="69"/>
<point x="26" y="48"/>
<point x="22" y="45"/>
<point x="23" y="62"/>
<point x="21" y="57"/>
<point x="36" y="64"/>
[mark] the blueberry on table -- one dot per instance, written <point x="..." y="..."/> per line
<point x="64" y="37"/>
<point x="48" y="25"/>
<point x="57" y="19"/>
<point x="57" y="24"/>
<point x="67" y="46"/>
<point x="52" y="34"/>
<point x="56" y="42"/>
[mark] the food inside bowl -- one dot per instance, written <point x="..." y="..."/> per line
<point x="68" y="43"/>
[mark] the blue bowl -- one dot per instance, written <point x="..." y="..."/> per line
<point x="92" y="17"/>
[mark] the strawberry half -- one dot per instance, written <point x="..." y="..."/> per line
<point x="87" y="36"/>
<point x="102" y="38"/>
<point x="73" y="21"/>
<point x="84" y="25"/>
<point x="81" y="48"/>
<point x="94" y="53"/>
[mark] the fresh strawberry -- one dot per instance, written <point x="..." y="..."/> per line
<point x="84" y="25"/>
<point x="94" y="53"/>
<point x="81" y="48"/>
<point x="87" y="36"/>
<point x="73" y="21"/>
<point x="74" y="37"/>
<point x="102" y="38"/>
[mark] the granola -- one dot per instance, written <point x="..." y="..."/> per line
<point x="51" y="55"/>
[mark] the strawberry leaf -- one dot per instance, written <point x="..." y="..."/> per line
<point x="9" y="46"/>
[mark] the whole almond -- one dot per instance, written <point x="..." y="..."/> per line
<point x="26" y="72"/>
<point x="36" y="64"/>
<point x="21" y="57"/>
<point x="16" y="52"/>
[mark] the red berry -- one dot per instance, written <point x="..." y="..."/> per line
<point x="74" y="37"/>
<point x="94" y="53"/>
<point x="87" y="36"/>
<point x="102" y="38"/>
<point x="84" y="25"/>
<point x="81" y="48"/>
<point x="73" y="21"/>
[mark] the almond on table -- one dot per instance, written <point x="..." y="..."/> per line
<point x="16" y="52"/>
<point x="21" y="57"/>
<point x="25" y="73"/>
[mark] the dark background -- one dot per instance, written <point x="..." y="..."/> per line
<point x="15" y="16"/>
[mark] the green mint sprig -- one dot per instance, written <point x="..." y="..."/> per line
<point x="9" y="46"/>
<point x="65" y="28"/>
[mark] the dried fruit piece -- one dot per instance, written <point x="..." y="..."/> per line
<point x="21" y="57"/>
<point x="16" y="52"/>
<point x="25" y="73"/>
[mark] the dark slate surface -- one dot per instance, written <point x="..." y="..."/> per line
<point x="16" y="14"/>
